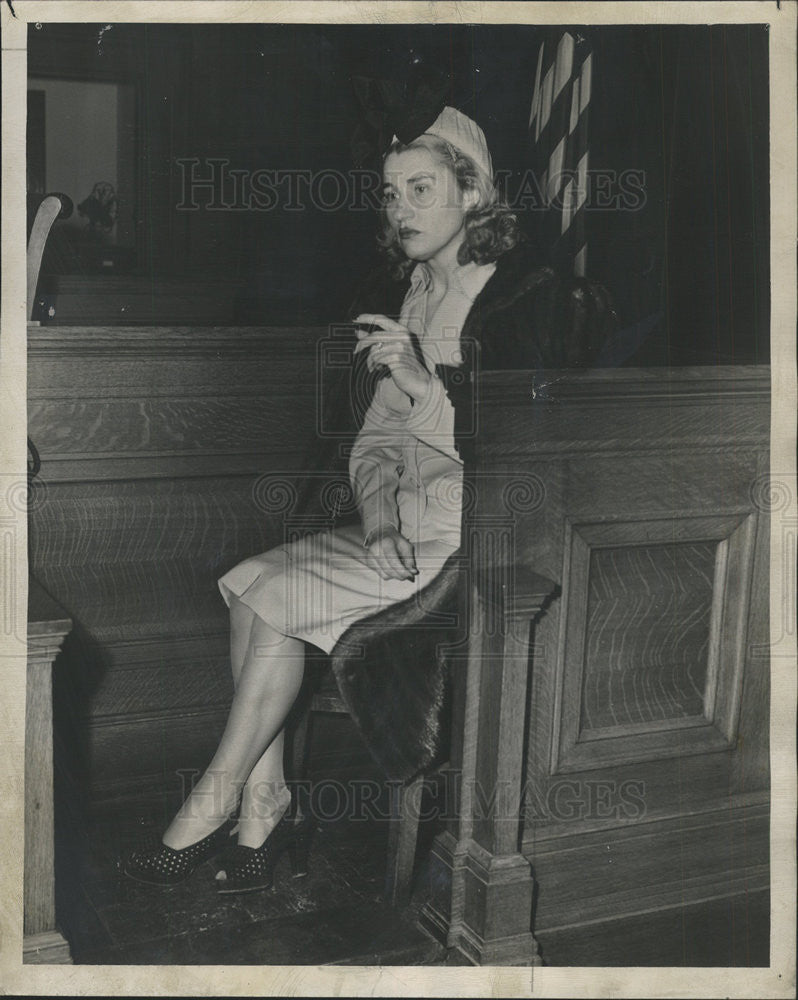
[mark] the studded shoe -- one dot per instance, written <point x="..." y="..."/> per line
<point x="249" y="869"/>
<point x="168" y="866"/>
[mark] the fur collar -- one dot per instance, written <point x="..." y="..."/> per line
<point x="517" y="273"/>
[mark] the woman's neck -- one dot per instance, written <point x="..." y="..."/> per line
<point x="444" y="266"/>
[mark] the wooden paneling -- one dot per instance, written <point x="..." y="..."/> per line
<point x="653" y="723"/>
<point x="681" y="406"/>
<point x="47" y="626"/>
<point x="646" y="774"/>
<point x="651" y="866"/>
<point x="168" y="455"/>
<point x="200" y="519"/>
<point x="97" y="300"/>
<point x="482" y="893"/>
<point x="647" y="634"/>
<point x="109" y="428"/>
<point x="151" y="745"/>
<point x="111" y="403"/>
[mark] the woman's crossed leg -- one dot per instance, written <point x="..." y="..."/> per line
<point x="267" y="673"/>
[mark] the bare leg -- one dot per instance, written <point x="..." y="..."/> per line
<point x="265" y="796"/>
<point x="241" y="619"/>
<point x="266" y="687"/>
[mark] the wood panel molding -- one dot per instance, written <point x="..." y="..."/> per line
<point x="612" y="385"/>
<point x="593" y="875"/>
<point x="713" y="728"/>
<point x="617" y="411"/>
<point x="483" y="893"/>
<point x="150" y="466"/>
<point x="93" y="431"/>
<point x="118" y="403"/>
<point x="185" y="341"/>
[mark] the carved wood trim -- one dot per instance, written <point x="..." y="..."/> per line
<point x="47" y="948"/>
<point x="624" y="385"/>
<point x="119" y="467"/>
<point x="47" y="626"/>
<point x="183" y="713"/>
<point x="568" y="834"/>
<point x="573" y="867"/>
<point x="181" y="341"/>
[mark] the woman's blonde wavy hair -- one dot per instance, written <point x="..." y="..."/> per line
<point x="491" y="229"/>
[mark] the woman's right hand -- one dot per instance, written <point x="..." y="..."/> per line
<point x="391" y="555"/>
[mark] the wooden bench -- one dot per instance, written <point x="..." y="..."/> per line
<point x="48" y="625"/>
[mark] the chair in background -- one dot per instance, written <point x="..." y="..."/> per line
<point x="52" y="207"/>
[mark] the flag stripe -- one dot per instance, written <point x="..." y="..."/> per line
<point x="574" y="105"/>
<point x="563" y="63"/>
<point x="560" y="153"/>
<point x="545" y="99"/>
<point x="556" y="165"/>
<point x="545" y="122"/>
<point x="535" y="109"/>
<point x="585" y="83"/>
<point x="581" y="182"/>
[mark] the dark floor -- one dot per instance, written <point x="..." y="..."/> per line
<point x="733" y="932"/>
<point x="335" y="915"/>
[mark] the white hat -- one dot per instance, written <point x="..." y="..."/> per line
<point x="458" y="129"/>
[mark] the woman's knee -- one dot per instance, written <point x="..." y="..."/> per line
<point x="267" y="637"/>
<point x="241" y="619"/>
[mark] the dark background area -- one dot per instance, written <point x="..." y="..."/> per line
<point x="686" y="106"/>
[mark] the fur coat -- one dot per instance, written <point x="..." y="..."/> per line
<point x="390" y="667"/>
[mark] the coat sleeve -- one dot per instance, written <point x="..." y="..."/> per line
<point x="431" y="420"/>
<point x="376" y="463"/>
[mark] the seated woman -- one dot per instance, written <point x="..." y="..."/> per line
<point x="446" y="236"/>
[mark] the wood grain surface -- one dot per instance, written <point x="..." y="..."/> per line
<point x="648" y="618"/>
<point x="168" y="455"/>
<point x="646" y="781"/>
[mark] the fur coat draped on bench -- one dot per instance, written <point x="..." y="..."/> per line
<point x="391" y="667"/>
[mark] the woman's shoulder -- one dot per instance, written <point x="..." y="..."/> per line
<point x="525" y="265"/>
<point x="520" y="274"/>
<point x="524" y="274"/>
<point x="559" y="319"/>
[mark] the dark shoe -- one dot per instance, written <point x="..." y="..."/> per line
<point x="168" y="866"/>
<point x="249" y="869"/>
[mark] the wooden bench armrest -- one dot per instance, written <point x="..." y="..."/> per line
<point x="46" y="617"/>
<point x="521" y="594"/>
<point x="532" y="593"/>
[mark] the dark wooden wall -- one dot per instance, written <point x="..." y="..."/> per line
<point x="154" y="446"/>
<point x="684" y="108"/>
<point x="268" y="98"/>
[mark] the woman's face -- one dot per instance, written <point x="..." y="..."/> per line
<point x="423" y="204"/>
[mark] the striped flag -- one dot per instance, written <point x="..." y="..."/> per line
<point x="558" y="132"/>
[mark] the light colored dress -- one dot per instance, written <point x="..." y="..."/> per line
<point x="404" y="471"/>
